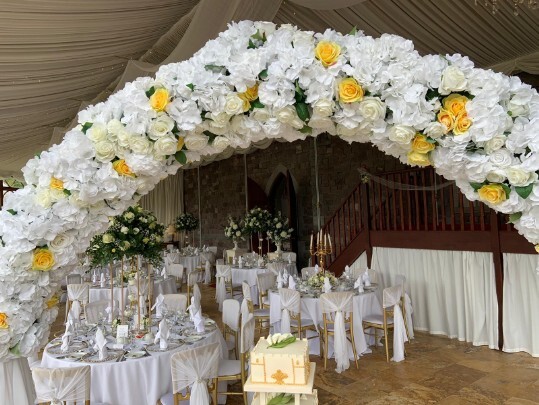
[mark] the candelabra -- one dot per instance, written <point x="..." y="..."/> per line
<point x="322" y="248"/>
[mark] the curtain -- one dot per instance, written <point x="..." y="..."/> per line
<point x="520" y="304"/>
<point x="453" y="293"/>
<point x="166" y="199"/>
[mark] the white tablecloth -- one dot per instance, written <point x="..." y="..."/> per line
<point x="160" y="286"/>
<point x="135" y="381"/>
<point x="249" y="276"/>
<point x="364" y="304"/>
<point x="188" y="262"/>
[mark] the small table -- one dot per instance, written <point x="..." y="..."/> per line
<point x="297" y="390"/>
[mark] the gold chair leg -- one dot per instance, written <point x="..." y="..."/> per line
<point x="176" y="400"/>
<point x="214" y="391"/>
<point x="326" y="338"/>
<point x="387" y="346"/>
<point x="353" y="344"/>
<point x="320" y="341"/>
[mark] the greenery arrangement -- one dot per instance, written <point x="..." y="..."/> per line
<point x="186" y="222"/>
<point x="278" y="229"/>
<point x="235" y="229"/>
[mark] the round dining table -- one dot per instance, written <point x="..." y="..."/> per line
<point x="160" y="286"/>
<point x="249" y="276"/>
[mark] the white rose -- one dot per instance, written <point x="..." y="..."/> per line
<point x="140" y="145"/>
<point x="260" y="114"/>
<point x="517" y="109"/>
<point x="160" y="127"/>
<point x="107" y="238"/>
<point x="345" y="131"/>
<point x="453" y="79"/>
<point x="401" y="134"/>
<point x="123" y="137"/>
<point x="165" y="146"/>
<point x="284" y="234"/>
<point x="372" y="109"/>
<point x="196" y="142"/>
<point x="221" y="142"/>
<point x="501" y="158"/>
<point x="496" y="176"/>
<point x="114" y="126"/>
<point x="519" y="178"/>
<point x="59" y="243"/>
<point x="105" y="151"/>
<point x="220" y="120"/>
<point x="435" y="130"/>
<point x="279" y="226"/>
<point x="320" y="122"/>
<point x="323" y="108"/>
<point x="97" y="132"/>
<point x="44" y="198"/>
<point x="238" y="233"/>
<point x="233" y="104"/>
<point x="124" y="229"/>
<point x="495" y="143"/>
<point x="287" y="115"/>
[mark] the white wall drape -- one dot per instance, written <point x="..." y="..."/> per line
<point x="166" y="199"/>
<point x="520" y="304"/>
<point x="453" y="293"/>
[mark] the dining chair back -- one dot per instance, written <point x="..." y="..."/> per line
<point x="307" y="272"/>
<point x="231" y="324"/>
<point x="97" y="310"/>
<point x="175" y="302"/>
<point x="69" y="384"/>
<point x="264" y="282"/>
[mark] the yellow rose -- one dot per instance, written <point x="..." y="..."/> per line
<point x="327" y="52"/>
<point x="159" y="99"/>
<point x="57" y="184"/>
<point x="122" y="169"/>
<point x="537" y="248"/>
<point x="419" y="159"/>
<point x="421" y="145"/>
<point x="181" y="142"/>
<point x="42" y="260"/>
<point x="3" y="321"/>
<point x="462" y="123"/>
<point x="492" y="193"/>
<point x="446" y="117"/>
<point x="455" y="103"/>
<point x="52" y="302"/>
<point x="251" y="94"/>
<point x="350" y="90"/>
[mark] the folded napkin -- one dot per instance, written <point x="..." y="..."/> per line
<point x="164" y="273"/>
<point x="159" y="305"/>
<point x="241" y="262"/>
<point x="291" y="283"/>
<point x="101" y="344"/>
<point x="366" y="278"/>
<point x="196" y="251"/>
<point x="327" y="285"/>
<point x="162" y="335"/>
<point x="279" y="280"/>
<point x="108" y="310"/>
<point x="316" y="269"/>
<point x="234" y="260"/>
<point x="75" y="311"/>
<point x="102" y="280"/>
<point x="260" y="262"/>
<point x="289" y="260"/>
<point x="193" y="308"/>
<point x="66" y="337"/>
<point x="347" y="270"/>
<point x="359" y="285"/>
<point x="94" y="278"/>
<point x="198" y="320"/>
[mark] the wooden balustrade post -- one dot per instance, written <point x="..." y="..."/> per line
<point x="365" y="218"/>
<point x="497" y="257"/>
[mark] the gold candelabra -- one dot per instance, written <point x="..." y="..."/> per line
<point x="321" y="248"/>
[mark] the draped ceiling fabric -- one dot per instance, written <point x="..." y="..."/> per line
<point x="58" y="56"/>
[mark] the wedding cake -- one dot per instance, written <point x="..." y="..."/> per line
<point x="288" y="365"/>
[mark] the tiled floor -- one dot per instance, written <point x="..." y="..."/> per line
<point x="436" y="370"/>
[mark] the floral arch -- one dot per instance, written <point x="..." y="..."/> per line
<point x="257" y="81"/>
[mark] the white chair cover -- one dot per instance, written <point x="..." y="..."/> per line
<point x="401" y="279"/>
<point x="391" y="298"/>
<point x="73" y="279"/>
<point x="56" y="385"/>
<point x="276" y="267"/>
<point x="78" y="292"/>
<point x="231" y="314"/>
<point x="193" y="368"/>
<point x="175" y="302"/>
<point x="338" y="305"/>
<point x="93" y="309"/>
<point x="247" y="339"/>
<point x="307" y="272"/>
<point x="289" y="256"/>
<point x="265" y="281"/>
<point x="290" y="302"/>
<point x="246" y="289"/>
<point x="244" y="309"/>
<point x="223" y="274"/>
<point x="197" y="295"/>
<point x="176" y="270"/>
<point x="194" y="277"/>
<point x="207" y="272"/>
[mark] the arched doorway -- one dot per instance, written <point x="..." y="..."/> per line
<point x="282" y="198"/>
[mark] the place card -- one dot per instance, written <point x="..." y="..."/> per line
<point x="122" y="332"/>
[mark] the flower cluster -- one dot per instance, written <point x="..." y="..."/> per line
<point x="280" y="340"/>
<point x="234" y="230"/>
<point x="186" y="222"/>
<point x="258" y="81"/>
<point x="257" y="220"/>
<point x="316" y="281"/>
<point x="278" y="229"/>
<point x="135" y="232"/>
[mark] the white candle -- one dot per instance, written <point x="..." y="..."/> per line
<point x="311" y="241"/>
<point x="330" y="246"/>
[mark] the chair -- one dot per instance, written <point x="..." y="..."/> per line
<point x="276" y="267"/>
<point x="230" y="370"/>
<point x="192" y="370"/>
<point x="291" y="321"/>
<point x="231" y="324"/>
<point x="307" y="272"/>
<point x="176" y="270"/>
<point x="77" y="292"/>
<point x="175" y="302"/>
<point x="220" y="261"/>
<point x="59" y="385"/>
<point x="261" y="315"/>
<point x="337" y="321"/>
<point x="192" y="279"/>
<point x="407" y="309"/>
<point x="95" y="311"/>
<point x="224" y="286"/>
<point x="213" y="249"/>
<point x="264" y="282"/>
<point x="289" y="255"/>
<point x="73" y="279"/>
<point x="373" y="274"/>
<point x="197" y="295"/>
<point x="391" y="319"/>
<point x="207" y="272"/>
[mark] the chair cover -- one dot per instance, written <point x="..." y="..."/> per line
<point x="73" y="279"/>
<point x="290" y="302"/>
<point x="401" y="279"/>
<point x="337" y="305"/>
<point x="56" y="385"/>
<point x="193" y="368"/>
<point x="245" y="312"/>
<point x="176" y="270"/>
<point x="207" y="272"/>
<point x="197" y="295"/>
<point x="94" y="309"/>
<point x="194" y="277"/>
<point x="175" y="302"/>
<point x="78" y="292"/>
<point x="307" y="272"/>
<point x="231" y="314"/>
<point x="223" y="274"/>
<point x="246" y="289"/>
<point x="247" y="339"/>
<point x="264" y="282"/>
<point x="391" y="298"/>
<point x="289" y="256"/>
<point x="276" y="267"/>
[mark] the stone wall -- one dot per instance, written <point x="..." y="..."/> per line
<point x="223" y="183"/>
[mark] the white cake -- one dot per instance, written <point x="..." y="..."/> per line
<point x="285" y="366"/>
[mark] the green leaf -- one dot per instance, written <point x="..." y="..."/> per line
<point x="257" y="104"/>
<point x="263" y="75"/>
<point x="525" y="191"/>
<point x="283" y="343"/>
<point x="180" y="157"/>
<point x="430" y="140"/>
<point x="67" y="192"/>
<point x="432" y="93"/>
<point x="211" y="135"/>
<point x="150" y="92"/>
<point x="306" y="130"/>
<point x="86" y="126"/>
<point x="191" y="86"/>
<point x="507" y="190"/>
<point x="12" y="211"/>
<point x="251" y="45"/>
<point x="300" y="95"/>
<point x="281" y="399"/>
<point x="259" y="36"/>
<point x="38" y="155"/>
<point x="353" y="31"/>
<point x="303" y="111"/>
<point x="214" y="68"/>
<point x="477" y="186"/>
<point x="514" y="217"/>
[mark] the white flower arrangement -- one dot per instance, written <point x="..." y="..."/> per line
<point x="186" y="222"/>
<point x="278" y="230"/>
<point x="280" y="340"/>
<point x="234" y="230"/>
<point x="474" y="126"/>
<point x="257" y="220"/>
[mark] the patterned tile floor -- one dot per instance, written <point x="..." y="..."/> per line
<point x="437" y="370"/>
